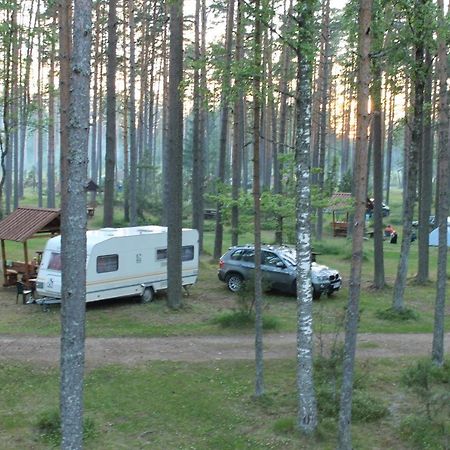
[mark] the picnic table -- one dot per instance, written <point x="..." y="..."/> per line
<point x="16" y="269"/>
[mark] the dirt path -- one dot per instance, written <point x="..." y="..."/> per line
<point x="135" y="351"/>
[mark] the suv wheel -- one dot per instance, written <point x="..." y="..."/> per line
<point x="234" y="282"/>
<point x="316" y="294"/>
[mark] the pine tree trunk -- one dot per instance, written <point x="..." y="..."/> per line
<point x="224" y="120"/>
<point x="412" y="161"/>
<point x="278" y="165"/>
<point x="426" y="178"/>
<point x="126" y="38"/>
<point x="259" y="357"/>
<point x="377" y="130"/>
<point x="73" y="234"/>
<point x="111" y="138"/>
<point x="389" y="145"/>
<point x="198" y="147"/>
<point x="443" y="180"/>
<point x="132" y="110"/>
<point x="175" y="156"/>
<point x="324" y="100"/>
<point x="238" y="132"/>
<point x="360" y="176"/>
<point x="65" y="44"/>
<point x="51" y="200"/>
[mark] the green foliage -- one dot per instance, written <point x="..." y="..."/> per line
<point x="395" y="315"/>
<point x="345" y="185"/>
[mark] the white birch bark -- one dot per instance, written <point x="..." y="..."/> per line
<point x="307" y="413"/>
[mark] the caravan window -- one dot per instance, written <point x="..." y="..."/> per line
<point x="107" y="263"/>
<point x="54" y="262"/>
<point x="187" y="253"/>
<point x="161" y="254"/>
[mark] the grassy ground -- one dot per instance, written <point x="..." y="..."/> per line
<point x="210" y="298"/>
<point x="164" y="406"/>
<point x="168" y="406"/>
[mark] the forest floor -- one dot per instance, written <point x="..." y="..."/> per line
<point x="135" y="351"/>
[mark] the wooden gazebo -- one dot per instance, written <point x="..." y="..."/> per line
<point x="341" y="205"/>
<point x="19" y="226"/>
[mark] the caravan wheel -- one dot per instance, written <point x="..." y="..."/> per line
<point x="147" y="295"/>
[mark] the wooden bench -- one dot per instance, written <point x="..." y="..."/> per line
<point x="209" y="214"/>
<point x="11" y="277"/>
<point x="340" y="229"/>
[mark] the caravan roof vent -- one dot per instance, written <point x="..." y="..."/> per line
<point x="109" y="231"/>
<point x="145" y="230"/>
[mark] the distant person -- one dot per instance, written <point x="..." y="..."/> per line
<point x="388" y="231"/>
<point x="393" y="237"/>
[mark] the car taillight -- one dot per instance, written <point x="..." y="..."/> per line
<point x="221" y="264"/>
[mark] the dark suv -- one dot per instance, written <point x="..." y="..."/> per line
<point x="278" y="266"/>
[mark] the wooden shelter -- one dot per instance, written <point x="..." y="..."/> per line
<point x="341" y="205"/>
<point x="92" y="186"/>
<point x="19" y="226"/>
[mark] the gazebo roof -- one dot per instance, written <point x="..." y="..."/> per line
<point x="340" y="201"/>
<point x="25" y="222"/>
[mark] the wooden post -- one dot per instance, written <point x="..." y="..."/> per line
<point x="5" y="276"/>
<point x="27" y="269"/>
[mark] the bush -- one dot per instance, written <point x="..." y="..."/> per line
<point x="395" y="315"/>
<point x="330" y="247"/>
<point x="243" y="320"/>
<point x="285" y="425"/>
<point x="49" y="428"/>
<point x="327" y="400"/>
<point x="430" y="384"/>
<point x="367" y="408"/>
<point x="425" y="434"/>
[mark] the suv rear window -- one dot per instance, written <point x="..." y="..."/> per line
<point x="237" y="255"/>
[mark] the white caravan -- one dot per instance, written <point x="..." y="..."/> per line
<point x="120" y="262"/>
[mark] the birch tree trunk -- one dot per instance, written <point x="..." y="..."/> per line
<point x="307" y="411"/>
<point x="73" y="234"/>
<point x="360" y="176"/>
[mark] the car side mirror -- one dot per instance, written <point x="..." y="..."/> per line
<point x="281" y="265"/>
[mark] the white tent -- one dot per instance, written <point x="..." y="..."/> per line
<point x="434" y="235"/>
